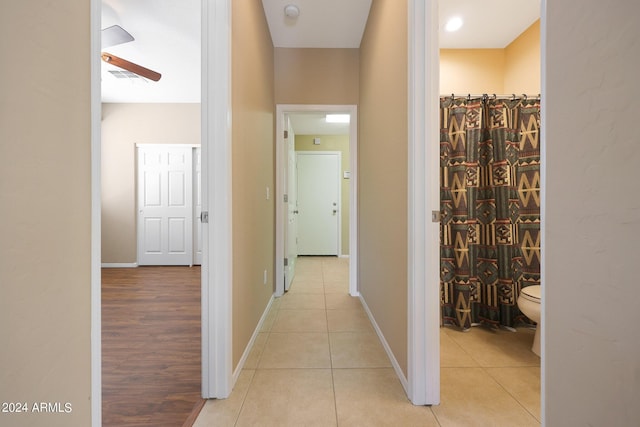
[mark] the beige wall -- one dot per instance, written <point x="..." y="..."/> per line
<point x="45" y="200"/>
<point x="124" y="126"/>
<point x="522" y="62"/>
<point x="324" y="77"/>
<point x="333" y="143"/>
<point x="592" y="214"/>
<point x="382" y="158"/>
<point x="253" y="169"/>
<point x="316" y="76"/>
<point x="472" y="71"/>
<point x="514" y="69"/>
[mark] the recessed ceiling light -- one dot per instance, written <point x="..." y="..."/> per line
<point x="454" y="24"/>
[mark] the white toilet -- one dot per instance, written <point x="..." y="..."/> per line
<point x="529" y="304"/>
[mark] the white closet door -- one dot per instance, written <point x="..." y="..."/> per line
<point x="165" y="205"/>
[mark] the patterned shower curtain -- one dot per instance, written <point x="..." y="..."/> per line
<point x="490" y="205"/>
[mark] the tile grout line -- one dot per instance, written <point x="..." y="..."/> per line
<point x="485" y="369"/>
<point x="464" y="349"/>
<point x="244" y="398"/>
<point x="326" y="316"/>
<point x="333" y="382"/>
<point x="255" y="371"/>
<point x="435" y="416"/>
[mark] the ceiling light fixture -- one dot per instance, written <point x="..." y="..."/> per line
<point x="454" y="24"/>
<point x="338" y="118"/>
<point x="291" y="11"/>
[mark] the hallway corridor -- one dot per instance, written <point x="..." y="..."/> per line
<point x="318" y="361"/>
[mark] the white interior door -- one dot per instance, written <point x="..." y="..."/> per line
<point x="318" y="202"/>
<point x="197" y="205"/>
<point x="165" y="205"/>
<point x="291" y="214"/>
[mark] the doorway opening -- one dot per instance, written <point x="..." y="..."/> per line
<point x="137" y="110"/>
<point x="499" y="71"/>
<point x="310" y="120"/>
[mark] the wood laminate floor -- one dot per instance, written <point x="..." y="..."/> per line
<point x="150" y="345"/>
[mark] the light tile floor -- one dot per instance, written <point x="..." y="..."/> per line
<point x="318" y="362"/>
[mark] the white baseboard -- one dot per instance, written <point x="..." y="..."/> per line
<point x="249" y="346"/>
<point x="385" y="344"/>
<point x="119" y="264"/>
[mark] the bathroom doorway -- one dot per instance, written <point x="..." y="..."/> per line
<point x="484" y="74"/>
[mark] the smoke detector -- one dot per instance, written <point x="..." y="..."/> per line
<point x="291" y="11"/>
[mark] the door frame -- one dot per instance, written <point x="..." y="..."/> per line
<point x="423" y="293"/>
<point x="423" y="300"/>
<point x="338" y="154"/>
<point x="95" y="17"/>
<point x="216" y="198"/>
<point x="217" y="248"/>
<point x="281" y="163"/>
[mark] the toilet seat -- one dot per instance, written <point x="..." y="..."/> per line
<point x="531" y="293"/>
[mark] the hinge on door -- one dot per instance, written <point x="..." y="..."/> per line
<point x="286" y="134"/>
<point x="286" y="262"/>
<point x="286" y="198"/>
<point x="204" y="217"/>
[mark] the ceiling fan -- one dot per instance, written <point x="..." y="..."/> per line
<point x="115" y="35"/>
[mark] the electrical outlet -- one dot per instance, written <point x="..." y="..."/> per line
<point x="265" y="277"/>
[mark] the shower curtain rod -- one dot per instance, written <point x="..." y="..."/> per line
<point x="513" y="96"/>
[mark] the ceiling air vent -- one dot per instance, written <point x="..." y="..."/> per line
<point x="126" y="75"/>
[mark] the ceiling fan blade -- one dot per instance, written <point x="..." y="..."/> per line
<point x="114" y="35"/>
<point x="130" y="66"/>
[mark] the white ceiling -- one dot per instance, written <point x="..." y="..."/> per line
<point x="321" y="23"/>
<point x="487" y="23"/>
<point x="167" y="38"/>
<point x="316" y="124"/>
